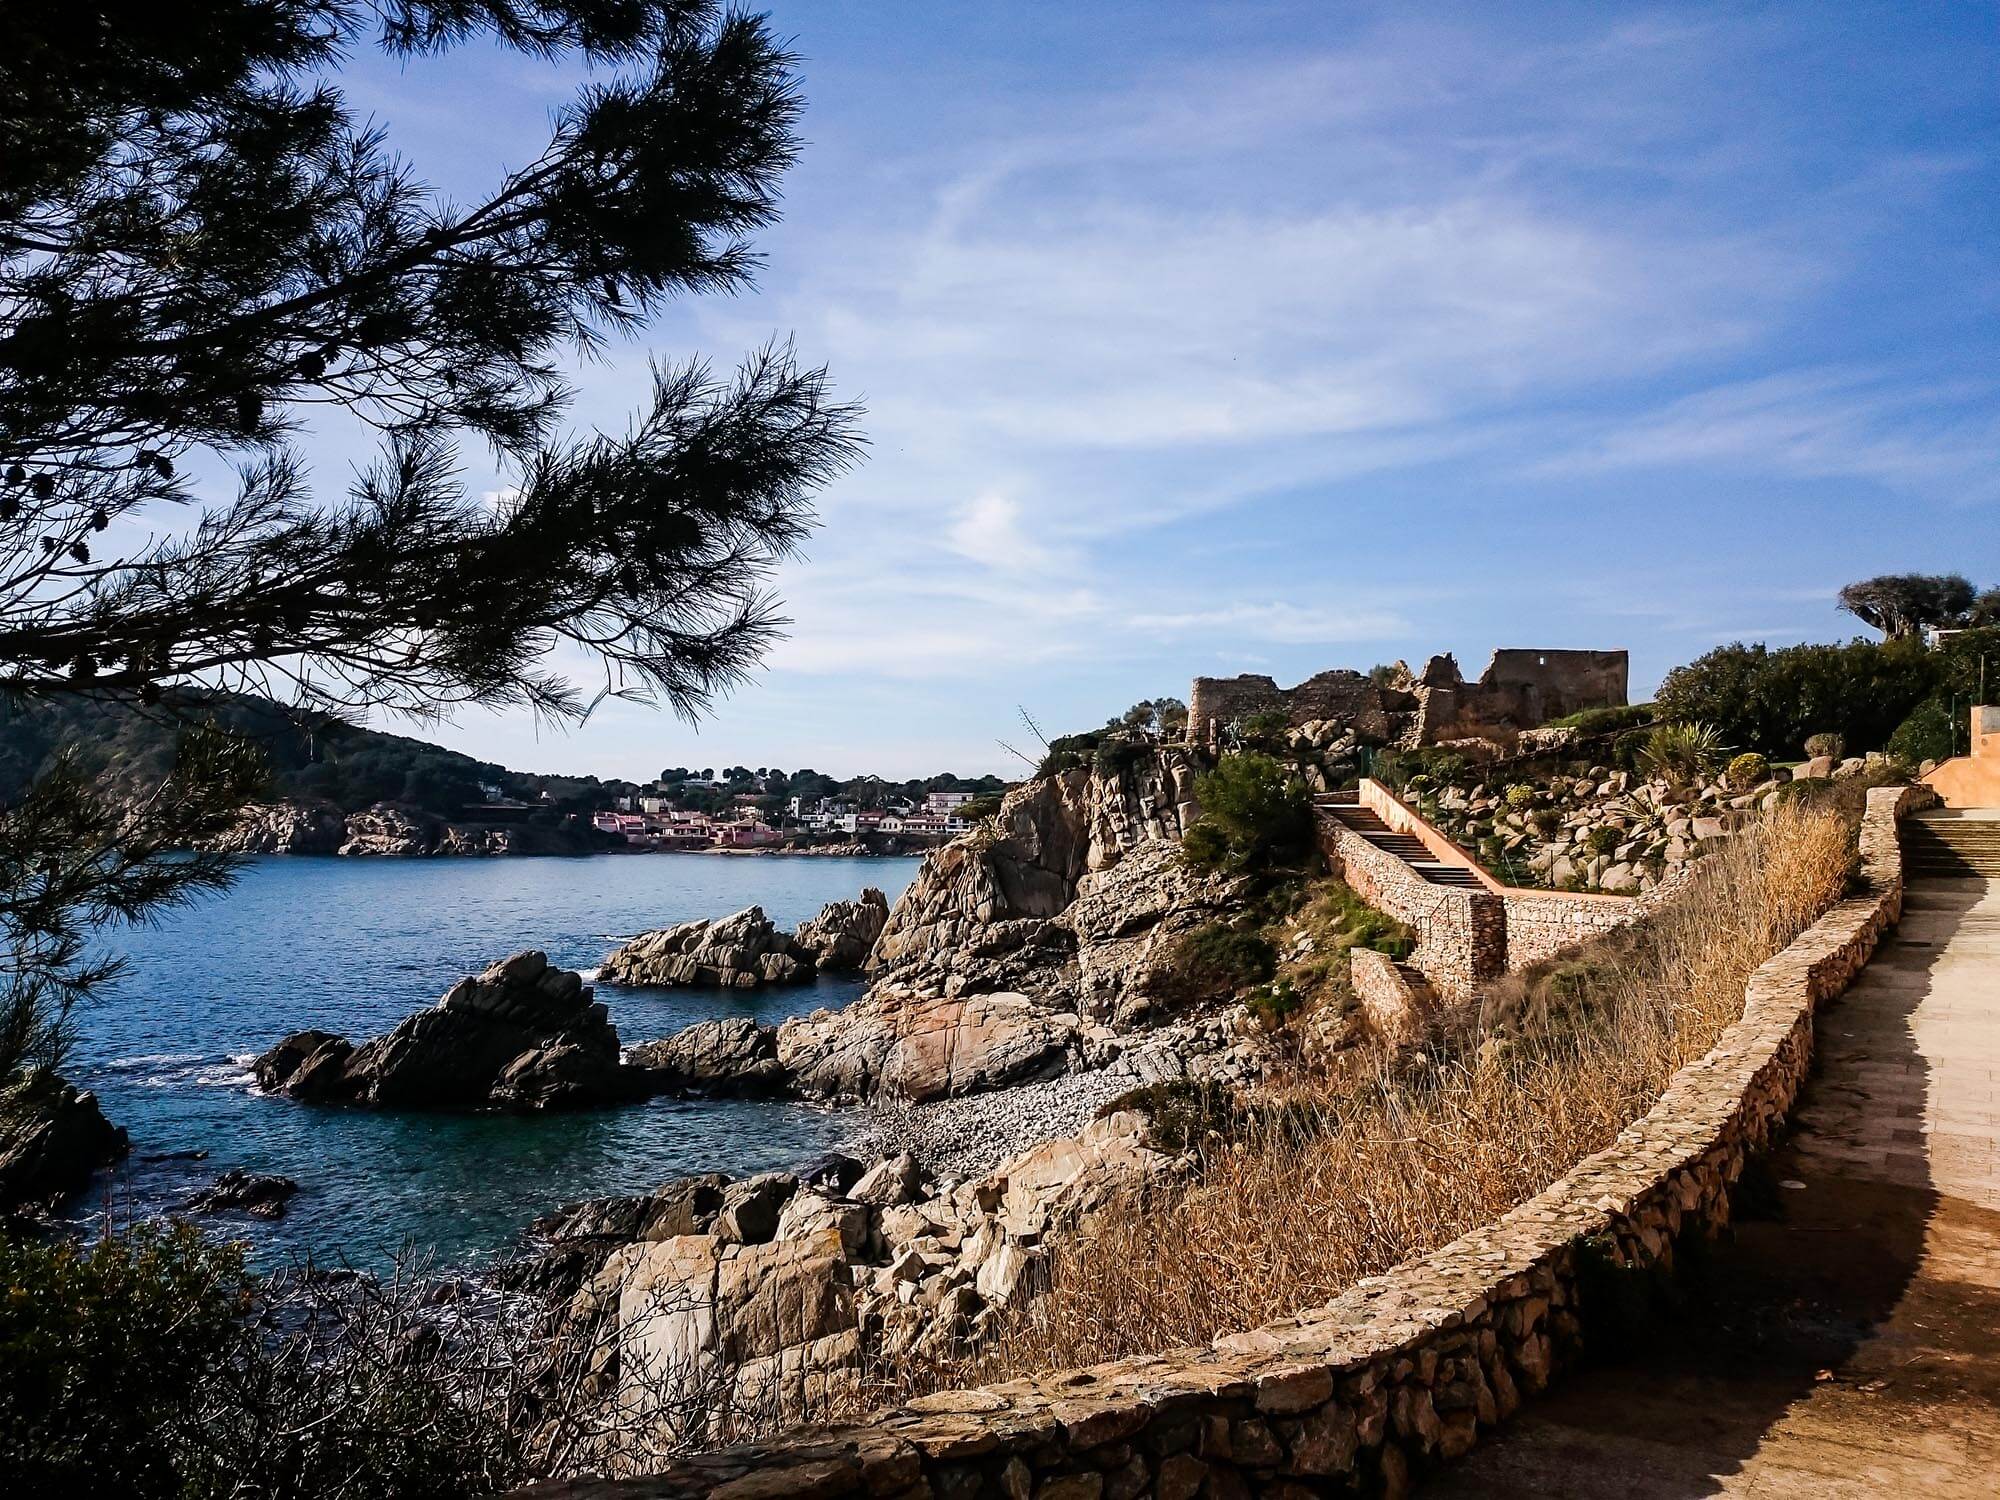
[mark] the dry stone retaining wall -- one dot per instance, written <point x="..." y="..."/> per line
<point x="1461" y="934"/>
<point x="1466" y="937"/>
<point x="1539" y="927"/>
<point x="1401" y="1371"/>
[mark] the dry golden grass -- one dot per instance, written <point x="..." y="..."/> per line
<point x="1348" y="1174"/>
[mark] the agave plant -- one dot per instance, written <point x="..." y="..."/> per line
<point x="1682" y="751"/>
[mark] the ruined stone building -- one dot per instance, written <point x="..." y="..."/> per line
<point x="1520" y="689"/>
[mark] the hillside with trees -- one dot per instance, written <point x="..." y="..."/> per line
<point x="319" y="759"/>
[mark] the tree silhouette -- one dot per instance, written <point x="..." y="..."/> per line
<point x="1901" y="604"/>
<point x="199" y="245"/>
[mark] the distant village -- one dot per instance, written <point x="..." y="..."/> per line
<point x="661" y="817"/>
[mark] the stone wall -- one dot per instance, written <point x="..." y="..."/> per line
<point x="1347" y="697"/>
<point x="1481" y="934"/>
<point x="1461" y="934"/>
<point x="1539" y="926"/>
<point x="1403" y="1370"/>
<point x="1396" y="1009"/>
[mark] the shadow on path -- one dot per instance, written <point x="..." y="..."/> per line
<point x="1845" y="1339"/>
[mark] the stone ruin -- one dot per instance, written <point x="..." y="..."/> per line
<point x="1520" y="689"/>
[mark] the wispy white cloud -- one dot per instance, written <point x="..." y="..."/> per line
<point x="1934" y="439"/>
<point x="1115" y="344"/>
<point x="990" y="530"/>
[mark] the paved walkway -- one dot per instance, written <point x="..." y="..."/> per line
<point x="1847" y="1342"/>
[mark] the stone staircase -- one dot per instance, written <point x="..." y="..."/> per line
<point x="1950" y="846"/>
<point x="1345" y="809"/>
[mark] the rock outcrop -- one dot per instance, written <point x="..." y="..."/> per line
<point x="773" y="1314"/>
<point x="844" y="933"/>
<point x="924" y="1047"/>
<point x="1005" y="961"/>
<point x="391" y="830"/>
<point x="727" y="1055"/>
<point x="261" y="1195"/>
<point x="53" y="1137"/>
<point x="388" y="830"/>
<point x="741" y="951"/>
<point x="284" y="828"/>
<point x="980" y="915"/>
<point x="1125" y="921"/>
<point x="523" y="1036"/>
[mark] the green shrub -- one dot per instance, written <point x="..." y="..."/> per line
<point x="1682" y="751"/>
<point x="1520" y="795"/>
<point x="1401" y="769"/>
<point x="1115" y="754"/>
<point x="1832" y="746"/>
<point x="1771" y="700"/>
<point x="1339" y="919"/>
<point x="1256" y="817"/>
<point x="1747" y="770"/>
<point x="1929" y="733"/>
<point x="1274" y="1003"/>
<point x="1216" y="961"/>
<point x="1068" y="751"/>
<point x="103" y="1349"/>
<point x="1180" y="1114"/>
<point x="1604" y="839"/>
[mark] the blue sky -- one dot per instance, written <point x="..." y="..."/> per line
<point x="1272" y="337"/>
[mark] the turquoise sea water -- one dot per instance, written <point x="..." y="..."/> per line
<point x="354" y="945"/>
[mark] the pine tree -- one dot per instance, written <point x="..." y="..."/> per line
<point x="199" y="242"/>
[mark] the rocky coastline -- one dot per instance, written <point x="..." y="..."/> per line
<point x="53" y="1140"/>
<point x="1014" y="1003"/>
<point x="392" y="830"/>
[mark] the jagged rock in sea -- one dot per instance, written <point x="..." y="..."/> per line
<point x="283" y="828"/>
<point x="844" y="933"/>
<point x="522" y="1035"/>
<point x="741" y="951"/>
<point x="52" y="1138"/>
<point x="727" y="1055"/>
<point x="262" y="1195"/>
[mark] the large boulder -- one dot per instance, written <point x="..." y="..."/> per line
<point x="844" y="933"/>
<point x="701" y="1329"/>
<point x="925" y="1047"/>
<point x="522" y="1035"/>
<point x="730" y="1055"/>
<point x="52" y="1138"/>
<point x="734" y="952"/>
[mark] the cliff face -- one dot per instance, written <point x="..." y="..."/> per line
<point x="283" y="828"/>
<point x="983" y="914"/>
